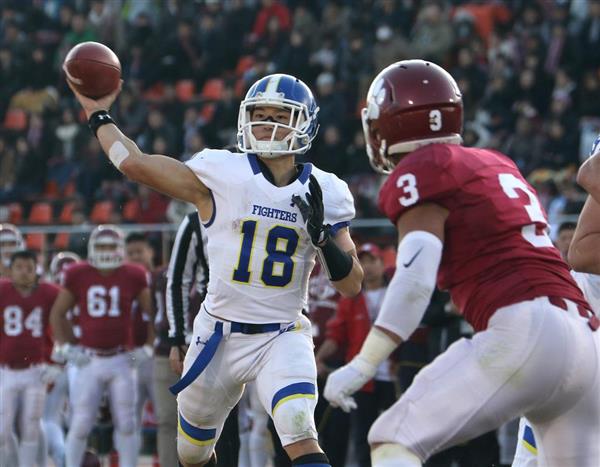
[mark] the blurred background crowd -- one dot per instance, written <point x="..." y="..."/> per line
<point x="529" y="72"/>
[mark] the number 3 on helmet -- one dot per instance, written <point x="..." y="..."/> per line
<point x="410" y="104"/>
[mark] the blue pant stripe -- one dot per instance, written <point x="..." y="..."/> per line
<point x="199" y="434"/>
<point x="296" y="388"/>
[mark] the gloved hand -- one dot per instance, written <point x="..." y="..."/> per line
<point x="70" y="353"/>
<point x="51" y="373"/>
<point x="312" y="212"/>
<point x="140" y="354"/>
<point x="345" y="381"/>
<point x="58" y="355"/>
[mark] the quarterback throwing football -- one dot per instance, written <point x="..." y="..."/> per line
<point x="266" y="219"/>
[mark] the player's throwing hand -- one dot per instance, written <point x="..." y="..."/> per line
<point x="93" y="105"/>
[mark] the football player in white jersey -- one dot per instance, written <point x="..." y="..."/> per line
<point x="266" y="218"/>
<point x="579" y="244"/>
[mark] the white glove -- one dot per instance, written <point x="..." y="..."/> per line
<point x="51" y="373"/>
<point x="70" y="353"/>
<point x="140" y="354"/>
<point x="58" y="355"/>
<point x="345" y="381"/>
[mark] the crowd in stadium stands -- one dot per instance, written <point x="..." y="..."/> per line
<point x="528" y="70"/>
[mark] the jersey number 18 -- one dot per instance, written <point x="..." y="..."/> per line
<point x="278" y="265"/>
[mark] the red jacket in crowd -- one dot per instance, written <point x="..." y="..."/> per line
<point x="350" y="326"/>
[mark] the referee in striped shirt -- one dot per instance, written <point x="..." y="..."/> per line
<point x="186" y="288"/>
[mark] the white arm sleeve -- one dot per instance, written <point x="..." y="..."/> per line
<point x="409" y="292"/>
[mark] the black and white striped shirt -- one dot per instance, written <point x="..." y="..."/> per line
<point x="188" y="267"/>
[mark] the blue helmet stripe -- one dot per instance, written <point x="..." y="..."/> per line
<point x="261" y="85"/>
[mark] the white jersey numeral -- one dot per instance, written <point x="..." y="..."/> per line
<point x="435" y="120"/>
<point x="100" y="300"/>
<point x="510" y="184"/>
<point x="408" y="184"/>
<point x="14" y="325"/>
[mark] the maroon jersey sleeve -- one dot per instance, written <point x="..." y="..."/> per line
<point x="71" y="277"/>
<point x="138" y="278"/>
<point x="426" y="175"/>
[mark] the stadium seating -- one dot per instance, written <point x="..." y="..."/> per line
<point x="36" y="241"/>
<point x="184" y="89"/>
<point x="41" y="213"/>
<point x="131" y="210"/>
<point x="66" y="213"/>
<point x="213" y="89"/>
<point x="15" y="120"/>
<point x="244" y="64"/>
<point x="101" y="212"/>
<point x="61" y="241"/>
<point x="15" y="213"/>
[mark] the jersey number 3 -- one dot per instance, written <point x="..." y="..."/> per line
<point x="510" y="184"/>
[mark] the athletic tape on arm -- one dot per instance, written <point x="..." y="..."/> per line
<point x="409" y="292"/>
<point x="117" y="153"/>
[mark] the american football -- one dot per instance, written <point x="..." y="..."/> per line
<point x="93" y="69"/>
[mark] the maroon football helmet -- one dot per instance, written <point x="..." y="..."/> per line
<point x="410" y="104"/>
<point x="60" y="262"/>
<point x="106" y="247"/>
<point x="11" y="241"/>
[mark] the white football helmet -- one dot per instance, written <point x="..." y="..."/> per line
<point x="11" y="241"/>
<point x="284" y="92"/>
<point x="59" y="263"/>
<point x="106" y="248"/>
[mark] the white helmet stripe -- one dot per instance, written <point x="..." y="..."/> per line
<point x="272" y="85"/>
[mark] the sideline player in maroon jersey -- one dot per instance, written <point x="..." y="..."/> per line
<point x="468" y="218"/>
<point x="11" y="240"/>
<point x="25" y="305"/>
<point x="104" y="289"/>
<point x="58" y="394"/>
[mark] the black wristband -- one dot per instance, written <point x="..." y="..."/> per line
<point x="97" y="119"/>
<point x="338" y="262"/>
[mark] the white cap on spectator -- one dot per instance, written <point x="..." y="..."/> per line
<point x="325" y="79"/>
<point x="384" y="33"/>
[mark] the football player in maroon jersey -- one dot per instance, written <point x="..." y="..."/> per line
<point x="467" y="218"/>
<point x="25" y="305"/>
<point x="58" y="394"/>
<point x="104" y="288"/>
<point x="11" y="240"/>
